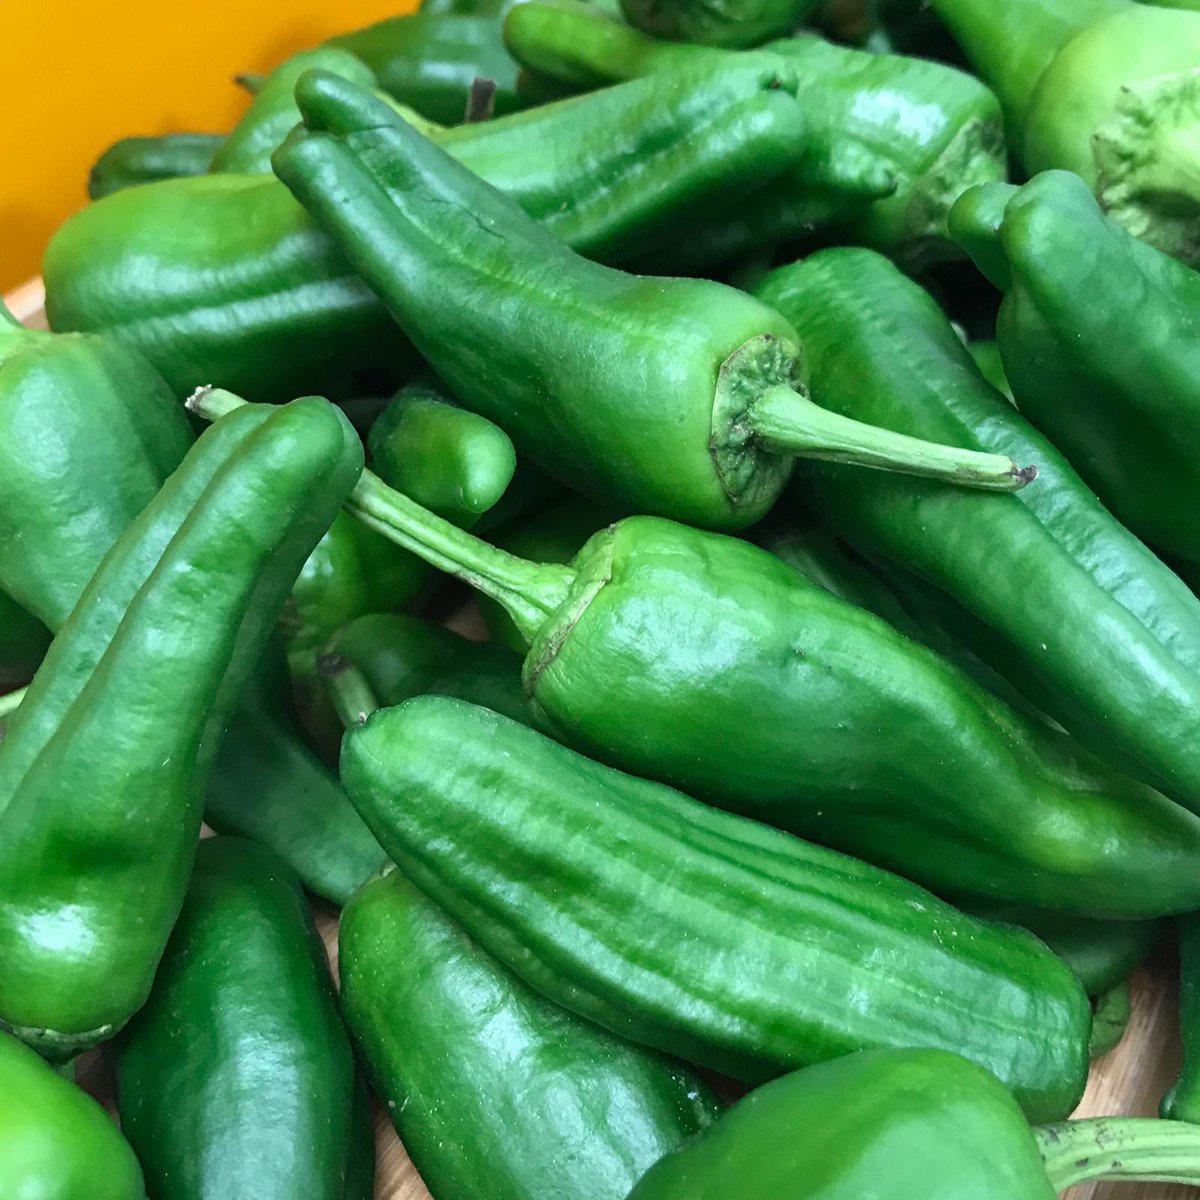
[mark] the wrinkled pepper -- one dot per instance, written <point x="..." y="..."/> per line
<point x="881" y="350"/>
<point x="257" y="299"/>
<point x="680" y="397"/>
<point x="56" y="1142"/>
<point x="893" y="141"/>
<point x="597" y="888"/>
<point x="113" y="742"/>
<point x="907" y="1125"/>
<point x="136" y="160"/>
<point x="1109" y="89"/>
<point x="495" y="1091"/>
<point x="236" y="1078"/>
<point x="733" y="23"/>
<point x="1124" y="410"/>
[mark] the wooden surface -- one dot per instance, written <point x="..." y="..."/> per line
<point x="1129" y="1081"/>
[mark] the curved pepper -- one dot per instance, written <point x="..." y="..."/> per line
<point x="114" y="740"/>
<point x="257" y="299"/>
<point x="1109" y="89"/>
<point x="598" y="890"/>
<point x="236" y="1078"/>
<point x="883" y="351"/>
<point x="892" y="141"/>
<point x="734" y="23"/>
<point x="56" y="1142"/>
<point x="136" y="160"/>
<point x="681" y="397"/>
<point x="1124" y="410"/>
<point x="495" y="1091"/>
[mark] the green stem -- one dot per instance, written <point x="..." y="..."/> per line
<point x="11" y="702"/>
<point x="529" y="592"/>
<point x="1132" y="1148"/>
<point x="789" y="423"/>
<point x="351" y="694"/>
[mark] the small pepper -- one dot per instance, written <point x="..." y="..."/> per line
<point x="136" y="160"/>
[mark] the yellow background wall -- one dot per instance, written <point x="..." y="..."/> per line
<point x="80" y="74"/>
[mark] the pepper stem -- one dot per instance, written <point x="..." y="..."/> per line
<point x="789" y="423"/>
<point x="10" y="702"/>
<point x="529" y="592"/>
<point x="353" y="699"/>
<point x="1133" y="1148"/>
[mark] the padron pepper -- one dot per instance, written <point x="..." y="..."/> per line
<point x="907" y="1125"/>
<point x="680" y="397"/>
<point x="113" y="742"/>
<point x="1109" y="89"/>
<point x="494" y="1090"/>
<point x="1124" y="410"/>
<point x="256" y="298"/>
<point x="597" y="889"/>
<point x="236" y="1077"/>
<point x="132" y="161"/>
<point x="1111" y="647"/>
<point x="710" y="664"/>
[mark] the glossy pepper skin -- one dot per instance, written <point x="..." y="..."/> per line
<point x="510" y="832"/>
<point x="1107" y="89"/>
<point x="681" y="397"/>
<point x="733" y="23"/>
<point x="1111" y="648"/>
<point x="892" y="140"/>
<point x="136" y="160"/>
<point x="255" y="297"/>
<point x="1125" y="411"/>
<point x="236" y="1078"/>
<point x="494" y="1090"/>
<point x="56" y="1142"/>
<point x="89" y="759"/>
<point x="88" y="433"/>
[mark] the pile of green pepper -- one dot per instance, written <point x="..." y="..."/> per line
<point x="726" y="624"/>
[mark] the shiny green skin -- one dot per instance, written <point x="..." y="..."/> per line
<point x="1125" y="411"/>
<point x="733" y="23"/>
<point x="1111" y="648"/>
<point x="710" y="664"/>
<point x="889" y="1125"/>
<point x="225" y="280"/>
<point x="892" y="140"/>
<point x="991" y="366"/>
<point x="1182" y="1102"/>
<point x="23" y="642"/>
<point x="136" y="160"/>
<point x="171" y="623"/>
<point x="56" y="1142"/>
<point x="236" y="1078"/>
<point x="598" y="890"/>
<point x="272" y="114"/>
<point x="493" y="1090"/>
<point x="268" y="784"/>
<point x="607" y="381"/>
<point x="88" y="433"/>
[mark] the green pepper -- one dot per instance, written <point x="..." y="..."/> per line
<point x="111" y="747"/>
<point x="893" y="141"/>
<point x="1182" y="1102"/>
<point x="907" y="1125"/>
<point x="991" y="366"/>
<point x="56" y="1142"/>
<point x="882" y="351"/>
<point x="681" y="397"/>
<point x="1125" y="411"/>
<point x="88" y="433"/>
<point x="257" y="299"/>
<point x="1109" y="89"/>
<point x="236" y="1078"/>
<point x="708" y="663"/>
<point x="23" y="642"/>
<point x="734" y="23"/>
<point x="597" y="889"/>
<point x="494" y="1091"/>
<point x="136" y="160"/>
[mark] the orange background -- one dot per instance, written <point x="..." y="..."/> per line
<point x="79" y="75"/>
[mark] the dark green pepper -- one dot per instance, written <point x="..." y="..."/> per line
<point x="23" y="642"/>
<point x="495" y="1091"/>
<point x="681" y="397"/>
<point x="1182" y="1102"/>
<point x="1124" y="410"/>
<point x="256" y="298"/>
<point x="1104" y="88"/>
<point x="598" y="890"/>
<point x="137" y="160"/>
<point x="881" y="350"/>
<point x="893" y="141"/>
<point x="236" y="1078"/>
<point x="102" y="768"/>
<point x="735" y="23"/>
<point x="56" y="1142"/>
